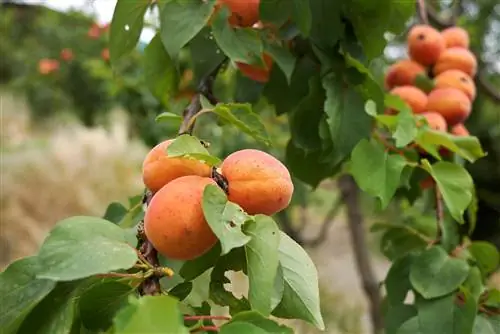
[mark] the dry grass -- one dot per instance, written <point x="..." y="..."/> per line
<point x="69" y="170"/>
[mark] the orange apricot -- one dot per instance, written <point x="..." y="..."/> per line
<point x="435" y="121"/>
<point x="459" y="130"/>
<point x="174" y="221"/>
<point x="456" y="79"/>
<point x="414" y="97"/>
<point x="158" y="168"/>
<point x="456" y="59"/>
<point x="456" y="37"/>
<point x="451" y="103"/>
<point x="402" y="73"/>
<point x="256" y="73"/>
<point x="425" y="44"/>
<point x="258" y="182"/>
<point x="244" y="13"/>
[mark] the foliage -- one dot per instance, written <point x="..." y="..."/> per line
<point x="323" y="82"/>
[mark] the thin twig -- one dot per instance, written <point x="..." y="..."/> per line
<point x="327" y="222"/>
<point x="439" y="212"/>
<point x="350" y="195"/>
<point x="422" y="12"/>
<point x="205" y="317"/>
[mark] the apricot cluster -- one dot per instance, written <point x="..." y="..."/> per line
<point x="444" y="58"/>
<point x="174" y="221"/>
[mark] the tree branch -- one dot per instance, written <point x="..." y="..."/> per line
<point x="350" y="195"/>
<point x="327" y="222"/>
<point x="422" y="13"/>
<point x="439" y="212"/>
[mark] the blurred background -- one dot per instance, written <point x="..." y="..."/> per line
<point x="74" y="133"/>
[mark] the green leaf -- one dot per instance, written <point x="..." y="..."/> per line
<point x="262" y="261"/>
<point x="80" y="246"/>
<point x="205" y="54"/>
<point x="468" y="148"/>
<point x="225" y="218"/>
<point x="446" y="315"/>
<point x="168" y="117"/>
<point x="376" y="171"/>
<point x="126" y="27"/>
<point x="115" y="212"/>
<point x="241" y="116"/>
<point x="181" y="290"/>
<point x="326" y="22"/>
<point x="194" y="268"/>
<point x="160" y="73"/>
<point x="398" y="242"/>
<point x="235" y="261"/>
<point x="397" y="281"/>
<point x="493" y="299"/>
<point x="434" y="273"/>
<point x="240" y="45"/>
<point x="455" y="185"/>
<point x="150" y="314"/>
<point x="345" y="110"/>
<point x="406" y="129"/>
<point x="301" y="13"/>
<point x="486" y="324"/>
<point x="257" y="319"/>
<point x="21" y="291"/>
<point x="276" y="12"/>
<point x="56" y="312"/>
<point x="397" y="315"/>
<point x="283" y="58"/>
<point x="474" y="283"/>
<point x="486" y="256"/>
<point x="305" y="118"/>
<point x="308" y="166"/>
<point x="247" y="90"/>
<point x="241" y="327"/>
<point x="181" y="21"/>
<point x="423" y="82"/>
<point x="188" y="146"/>
<point x="100" y="302"/>
<point x="301" y="293"/>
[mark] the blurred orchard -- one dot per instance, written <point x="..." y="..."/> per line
<point x="74" y="133"/>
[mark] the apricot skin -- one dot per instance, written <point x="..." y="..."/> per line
<point x="402" y="73"/>
<point x="258" y="182"/>
<point x="414" y="97"/>
<point x="425" y="44"/>
<point x="435" y="121"/>
<point x="451" y="103"/>
<point x="244" y="13"/>
<point x="158" y="169"/>
<point x="456" y="59"/>
<point x="456" y="37"/>
<point x="174" y="221"/>
<point x="456" y="79"/>
<point x="459" y="130"/>
<point x="259" y="74"/>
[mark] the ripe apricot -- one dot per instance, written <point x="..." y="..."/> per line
<point x="456" y="37"/>
<point x="67" y="54"/>
<point x="174" y="221"/>
<point x="244" y="13"/>
<point x="158" y="169"/>
<point x="402" y="73"/>
<point x="456" y="59"/>
<point x="414" y="97"/>
<point x="456" y="79"/>
<point x="47" y="66"/>
<point x="459" y="130"/>
<point x="258" y="182"/>
<point x="425" y="44"/>
<point x="256" y="73"/>
<point x="435" y="121"/>
<point x="451" y="103"/>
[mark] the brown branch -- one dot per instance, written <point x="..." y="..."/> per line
<point x="490" y="90"/>
<point x="439" y="212"/>
<point x="327" y="222"/>
<point x="350" y="196"/>
<point x="422" y="12"/>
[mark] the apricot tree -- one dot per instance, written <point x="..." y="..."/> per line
<point x="139" y="269"/>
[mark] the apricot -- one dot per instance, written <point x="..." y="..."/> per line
<point x="158" y="169"/>
<point x="425" y="44"/>
<point x="402" y="73"/>
<point x="459" y="130"/>
<point x="256" y="73"/>
<point x="456" y="79"/>
<point x="47" y="66"/>
<point x="451" y="103"/>
<point x="67" y="54"/>
<point x="244" y="13"/>
<point x="258" y="182"/>
<point x="414" y="97"/>
<point x="427" y="183"/>
<point x="456" y="59"/>
<point x="174" y="221"/>
<point x="456" y="37"/>
<point x="435" y="121"/>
